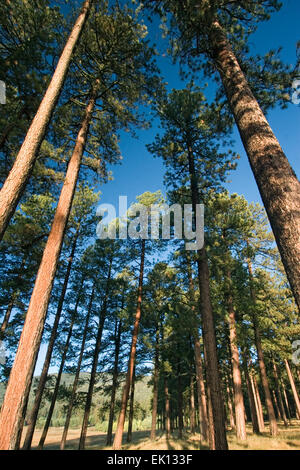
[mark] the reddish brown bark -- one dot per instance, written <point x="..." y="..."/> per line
<point x="131" y="408"/>
<point x="43" y="377"/>
<point x="120" y="426"/>
<point x="167" y="408"/>
<point x="89" y="396"/>
<point x="252" y="402"/>
<point x="280" y="401"/>
<point x="76" y="378"/>
<point x="293" y="386"/>
<point x="276" y="180"/>
<point x="19" y="381"/>
<point x="16" y="181"/>
<point x="155" y="385"/>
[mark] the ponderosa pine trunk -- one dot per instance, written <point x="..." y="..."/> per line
<point x="77" y="374"/>
<point x="155" y="385"/>
<point x="229" y="404"/>
<point x="252" y="401"/>
<point x="16" y="181"/>
<point x="287" y="405"/>
<point x="208" y="327"/>
<point x="58" y="378"/>
<point x="202" y="404"/>
<point x="43" y="377"/>
<point x="280" y="401"/>
<point x="21" y="373"/>
<point x="293" y="386"/>
<point x="89" y="396"/>
<point x="277" y="182"/>
<point x="114" y="383"/>
<point x="254" y="385"/>
<point x="179" y="398"/>
<point x="167" y="407"/>
<point x="120" y="426"/>
<point x="131" y="408"/>
<point x="239" y="407"/>
<point x="261" y="360"/>
<point x="192" y="405"/>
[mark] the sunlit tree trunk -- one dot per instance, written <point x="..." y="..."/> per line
<point x="120" y="426"/>
<point x="155" y="385"/>
<point x="43" y="377"/>
<point x="15" y="183"/>
<point x="293" y="386"/>
<point x="276" y="180"/>
<point x="280" y="401"/>
<point x="131" y="408"/>
<point x="19" y="381"/>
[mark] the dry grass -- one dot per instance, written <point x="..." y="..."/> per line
<point x="288" y="439"/>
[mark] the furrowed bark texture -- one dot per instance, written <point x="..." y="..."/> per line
<point x="276" y="180"/>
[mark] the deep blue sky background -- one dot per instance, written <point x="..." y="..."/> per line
<point x="141" y="172"/>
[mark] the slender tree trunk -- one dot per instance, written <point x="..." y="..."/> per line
<point x="120" y="426"/>
<point x="229" y="403"/>
<point x="293" y="387"/>
<point x="179" y="399"/>
<point x="209" y="335"/>
<point x="43" y="377"/>
<point x="192" y="405"/>
<point x="276" y="180"/>
<point x="15" y="183"/>
<point x="288" y="410"/>
<point x="114" y="384"/>
<point x="155" y="385"/>
<point x="202" y="403"/>
<point x="19" y="381"/>
<point x="131" y="408"/>
<point x="252" y="401"/>
<point x="261" y="360"/>
<point x="13" y="299"/>
<point x="58" y="379"/>
<point x="76" y="378"/>
<point x="276" y="405"/>
<point x="261" y="421"/>
<point x="239" y="407"/>
<point x="89" y="397"/>
<point x="280" y="401"/>
<point x="167" y="408"/>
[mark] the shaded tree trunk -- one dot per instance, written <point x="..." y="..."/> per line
<point x="208" y="328"/>
<point x="43" y="377"/>
<point x="114" y="384"/>
<point x="76" y="378"/>
<point x="89" y="397"/>
<point x="229" y="403"/>
<point x="280" y="401"/>
<point x="58" y="379"/>
<point x="167" y="408"/>
<point x="120" y="426"/>
<point x="131" y="408"/>
<point x="16" y="181"/>
<point x="192" y="405"/>
<point x="261" y="421"/>
<point x="277" y="182"/>
<point x="179" y="399"/>
<point x="155" y="385"/>
<point x="252" y="401"/>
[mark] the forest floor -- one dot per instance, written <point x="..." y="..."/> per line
<point x="288" y="439"/>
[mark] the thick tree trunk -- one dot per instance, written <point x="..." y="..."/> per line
<point x="155" y="385"/>
<point x="58" y="379"/>
<point x="276" y="180"/>
<point x="43" y="377"/>
<point x="15" y="183"/>
<point x="89" y="397"/>
<point x="239" y="407"/>
<point x="131" y="408"/>
<point x="114" y="384"/>
<point x="120" y="426"/>
<point x="293" y="387"/>
<point x="19" y="381"/>
<point x="280" y="401"/>
<point x="76" y="378"/>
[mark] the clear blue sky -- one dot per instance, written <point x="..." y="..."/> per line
<point x="141" y="172"/>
